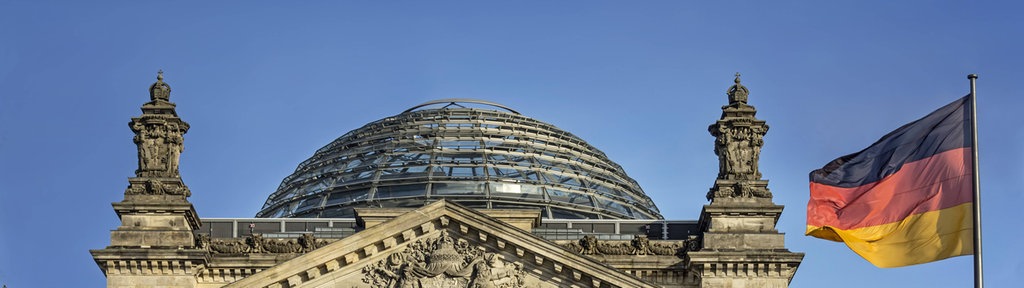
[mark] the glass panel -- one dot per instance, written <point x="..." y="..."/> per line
<point x="347" y="197"/>
<point x="565" y="180"/>
<point x="309" y="203"/>
<point x="614" y="206"/>
<point x="569" y="214"/>
<point x="473" y="204"/>
<point x="515" y="190"/>
<point x="569" y="197"/>
<point x="401" y="173"/>
<point x="277" y="213"/>
<point x="338" y="212"/>
<point x="505" y="172"/>
<point x="455" y="188"/>
<point x="501" y="205"/>
<point x="310" y="214"/>
<point x="400" y="191"/>
<point x="462" y="172"/>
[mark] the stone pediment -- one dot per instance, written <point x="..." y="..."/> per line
<point x="441" y="245"/>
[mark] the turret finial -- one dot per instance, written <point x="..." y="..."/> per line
<point x="737" y="92"/>
<point x="160" y="90"/>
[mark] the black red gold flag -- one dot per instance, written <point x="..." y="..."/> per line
<point x="907" y="198"/>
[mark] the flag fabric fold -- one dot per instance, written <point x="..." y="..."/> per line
<point x="906" y="199"/>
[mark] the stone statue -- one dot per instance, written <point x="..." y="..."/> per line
<point x="174" y="147"/>
<point x="641" y="245"/>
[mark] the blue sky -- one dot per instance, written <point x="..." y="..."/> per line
<point x="264" y="84"/>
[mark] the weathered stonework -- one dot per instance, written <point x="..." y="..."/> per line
<point x="154" y="246"/>
<point x="740" y="246"/>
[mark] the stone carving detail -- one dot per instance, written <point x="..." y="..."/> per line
<point x="203" y="241"/>
<point x="157" y="187"/>
<point x="738" y="150"/>
<point x="159" y="144"/>
<point x="444" y="262"/>
<point x="739" y="137"/>
<point x="255" y="243"/>
<point x="158" y="134"/>
<point x="739" y="190"/>
<point x="640" y="245"/>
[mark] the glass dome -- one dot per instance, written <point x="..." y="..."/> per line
<point x="476" y="153"/>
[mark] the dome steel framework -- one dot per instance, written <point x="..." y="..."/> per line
<point x="477" y="157"/>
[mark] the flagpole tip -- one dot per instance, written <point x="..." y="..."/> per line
<point x="972" y="76"/>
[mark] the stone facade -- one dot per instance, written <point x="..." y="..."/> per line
<point x="444" y="244"/>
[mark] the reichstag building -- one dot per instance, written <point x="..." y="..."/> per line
<point x="450" y="193"/>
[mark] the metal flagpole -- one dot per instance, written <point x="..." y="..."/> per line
<point x="978" y="282"/>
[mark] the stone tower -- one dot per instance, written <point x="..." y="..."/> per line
<point x="154" y="246"/>
<point x="740" y="245"/>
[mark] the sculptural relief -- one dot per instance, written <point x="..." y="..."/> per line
<point x="159" y="147"/>
<point x="444" y="262"/>
<point x="639" y="245"/>
<point x="738" y="150"/>
<point x="255" y="244"/>
<point x="174" y="142"/>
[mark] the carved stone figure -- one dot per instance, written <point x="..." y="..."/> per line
<point x="588" y="245"/>
<point x="308" y="242"/>
<point x="641" y="245"/>
<point x="229" y="246"/>
<point x="443" y="262"/>
<point x="174" y="148"/>
<point x="203" y="241"/>
<point x="255" y="243"/>
<point x="667" y="250"/>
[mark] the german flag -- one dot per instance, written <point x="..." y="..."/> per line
<point x="905" y="200"/>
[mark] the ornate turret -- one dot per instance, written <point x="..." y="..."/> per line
<point x="738" y="140"/>
<point x="159" y="137"/>
<point x="155" y="245"/>
<point x="740" y="244"/>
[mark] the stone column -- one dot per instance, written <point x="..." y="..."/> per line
<point x="154" y="246"/>
<point x="740" y="246"/>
